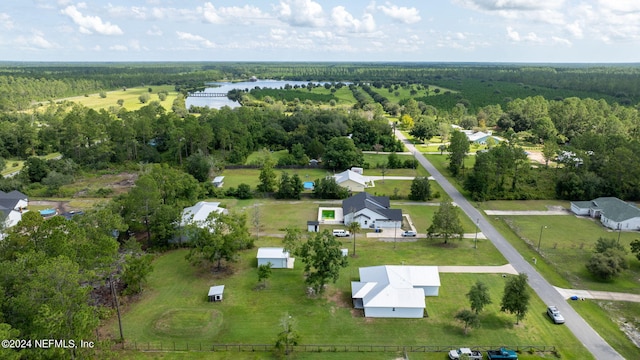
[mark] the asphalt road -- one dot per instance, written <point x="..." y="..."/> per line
<point x="549" y="295"/>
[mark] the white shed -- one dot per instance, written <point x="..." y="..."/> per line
<point x="278" y="258"/>
<point x="216" y="293"/>
<point x="218" y="181"/>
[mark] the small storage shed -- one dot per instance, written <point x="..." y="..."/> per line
<point x="278" y="258"/>
<point x="313" y="226"/>
<point x="218" y="181"/>
<point x="215" y="293"/>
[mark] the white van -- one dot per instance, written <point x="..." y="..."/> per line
<point x="340" y="233"/>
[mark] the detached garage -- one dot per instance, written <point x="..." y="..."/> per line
<point x="278" y="258"/>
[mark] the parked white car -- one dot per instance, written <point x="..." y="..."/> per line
<point x="341" y="233"/>
<point x="472" y="354"/>
<point x="409" y="233"/>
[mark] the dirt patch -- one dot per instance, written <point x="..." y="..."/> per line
<point x="536" y="156"/>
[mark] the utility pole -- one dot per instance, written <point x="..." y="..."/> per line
<point x="475" y="239"/>
<point x="540" y="238"/>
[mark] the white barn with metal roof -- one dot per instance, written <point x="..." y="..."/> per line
<point x="391" y="291"/>
<point x="277" y="256"/>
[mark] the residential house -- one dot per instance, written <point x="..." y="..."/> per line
<point x="371" y="211"/>
<point x="481" y="137"/>
<point x="390" y="291"/>
<point x="351" y="180"/>
<point x="218" y="181"/>
<point x="612" y="212"/>
<point x="278" y="257"/>
<point x="12" y="205"/>
<point x="198" y="215"/>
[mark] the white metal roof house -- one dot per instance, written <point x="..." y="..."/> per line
<point x="12" y="205"/>
<point x="371" y="211"/>
<point x="613" y="212"/>
<point x="481" y="137"/>
<point x="351" y="180"/>
<point x="198" y="215"/>
<point x="392" y="291"/>
<point x="218" y="181"/>
<point x="278" y="258"/>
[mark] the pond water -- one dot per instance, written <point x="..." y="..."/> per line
<point x="225" y="87"/>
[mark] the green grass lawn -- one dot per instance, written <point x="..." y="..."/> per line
<point x="176" y="295"/>
<point x="130" y="97"/>
<point x="12" y="166"/>
<point x="567" y="242"/>
<point x="235" y="177"/>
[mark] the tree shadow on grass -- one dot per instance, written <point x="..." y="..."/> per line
<point x="494" y="321"/>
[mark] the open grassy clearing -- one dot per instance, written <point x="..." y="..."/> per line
<point x="250" y="316"/>
<point x="523" y="205"/>
<point x="568" y="242"/>
<point x="130" y="97"/>
<point x="606" y="317"/>
<point x="13" y="166"/>
<point x="235" y="177"/>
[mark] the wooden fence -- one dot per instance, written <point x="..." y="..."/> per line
<point x="182" y="346"/>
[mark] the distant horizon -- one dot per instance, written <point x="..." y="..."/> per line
<point x="448" y="31"/>
<point x="312" y="62"/>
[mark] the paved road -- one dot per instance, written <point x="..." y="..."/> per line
<point x="549" y="295"/>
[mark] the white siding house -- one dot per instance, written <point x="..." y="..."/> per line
<point x="197" y="215"/>
<point x="371" y="211"/>
<point x="12" y="205"/>
<point x="351" y="180"/>
<point x="612" y="212"/>
<point x="278" y="258"/>
<point x="395" y="291"/>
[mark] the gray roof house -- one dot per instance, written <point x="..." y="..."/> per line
<point x="395" y="291"/>
<point x="12" y="205"/>
<point x="371" y="211"/>
<point x="612" y="212"/>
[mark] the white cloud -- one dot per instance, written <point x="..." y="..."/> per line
<point x="154" y="31"/>
<point x="512" y="34"/>
<point x="134" y="12"/>
<point x="402" y="14"/>
<point x="118" y="48"/>
<point x="35" y="41"/>
<point x="306" y="13"/>
<point x="232" y="14"/>
<point x="5" y="21"/>
<point x="343" y="19"/>
<point x="544" y="11"/>
<point x="561" y="41"/>
<point x="195" y="39"/>
<point x="278" y="34"/>
<point x="89" y="24"/>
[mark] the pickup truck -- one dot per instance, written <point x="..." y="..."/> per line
<point x="471" y="354"/>
<point x="502" y="354"/>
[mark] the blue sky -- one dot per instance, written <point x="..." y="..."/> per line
<point x="308" y="30"/>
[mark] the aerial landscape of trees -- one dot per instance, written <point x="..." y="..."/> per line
<point x="583" y="119"/>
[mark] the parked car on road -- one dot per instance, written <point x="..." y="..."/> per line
<point x="409" y="233"/>
<point x="555" y="315"/>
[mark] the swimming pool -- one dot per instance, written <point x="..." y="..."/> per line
<point x="308" y="185"/>
<point x="47" y="212"/>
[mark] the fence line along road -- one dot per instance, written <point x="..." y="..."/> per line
<point x="178" y="346"/>
<point x="598" y="347"/>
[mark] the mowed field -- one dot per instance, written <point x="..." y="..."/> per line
<point x="173" y="308"/>
<point x="130" y="96"/>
